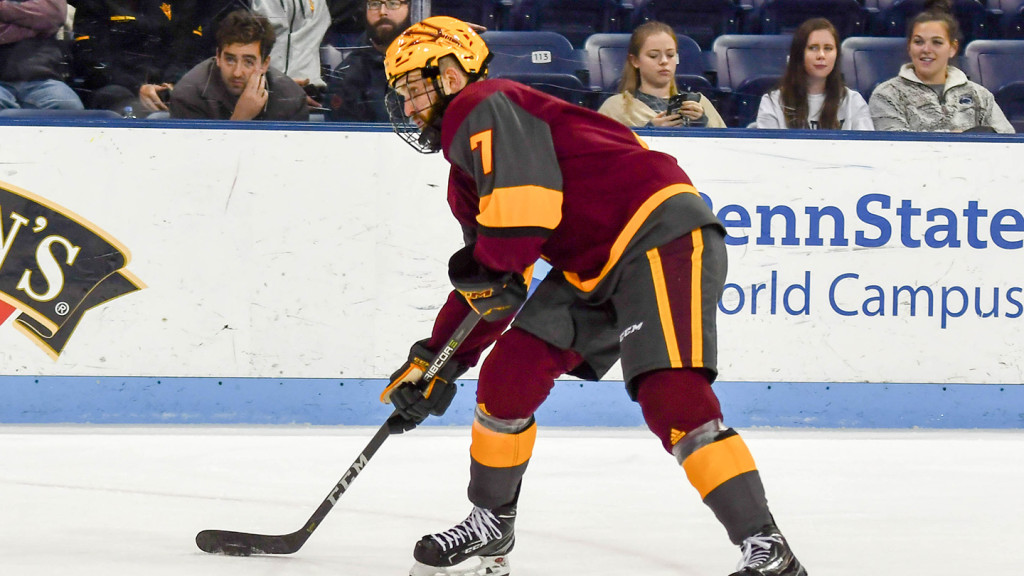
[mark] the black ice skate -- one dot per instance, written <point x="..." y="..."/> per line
<point x="487" y="535"/>
<point x="767" y="554"/>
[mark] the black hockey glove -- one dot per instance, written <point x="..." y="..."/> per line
<point x="494" y="295"/>
<point x="415" y="399"/>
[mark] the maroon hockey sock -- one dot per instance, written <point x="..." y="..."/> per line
<point x="676" y="401"/>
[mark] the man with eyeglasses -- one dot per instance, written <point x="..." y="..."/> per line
<point x="356" y="88"/>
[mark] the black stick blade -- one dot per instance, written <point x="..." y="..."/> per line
<point x="244" y="544"/>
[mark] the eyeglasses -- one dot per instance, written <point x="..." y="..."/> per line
<point x="374" y="5"/>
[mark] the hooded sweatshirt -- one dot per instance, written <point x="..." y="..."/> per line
<point x="300" y="26"/>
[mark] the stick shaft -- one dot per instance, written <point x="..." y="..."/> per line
<point x="245" y="544"/>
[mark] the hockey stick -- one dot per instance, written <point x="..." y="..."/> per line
<point x="246" y="544"/>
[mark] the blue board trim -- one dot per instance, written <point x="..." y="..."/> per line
<point x="151" y="400"/>
<point x="62" y="121"/>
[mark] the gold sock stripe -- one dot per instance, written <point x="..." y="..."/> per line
<point x="712" y="465"/>
<point x="499" y="450"/>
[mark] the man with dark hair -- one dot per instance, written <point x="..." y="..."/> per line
<point x="239" y="83"/>
<point x="356" y="88"/>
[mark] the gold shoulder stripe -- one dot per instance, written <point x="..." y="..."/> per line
<point x="634" y="224"/>
<point x="521" y="207"/>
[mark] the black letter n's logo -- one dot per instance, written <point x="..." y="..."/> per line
<point x="54" y="266"/>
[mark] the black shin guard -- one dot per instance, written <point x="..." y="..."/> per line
<point x="500" y="452"/>
<point x="720" y="467"/>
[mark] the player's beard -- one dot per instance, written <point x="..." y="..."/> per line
<point x="384" y="32"/>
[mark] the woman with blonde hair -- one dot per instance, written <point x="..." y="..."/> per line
<point x="648" y="85"/>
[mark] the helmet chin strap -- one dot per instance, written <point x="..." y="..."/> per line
<point x="430" y="134"/>
<point x="428" y="138"/>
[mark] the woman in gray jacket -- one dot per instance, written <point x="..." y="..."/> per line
<point x="929" y="95"/>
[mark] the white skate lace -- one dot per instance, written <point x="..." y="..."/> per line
<point x="756" y="550"/>
<point x="481" y="524"/>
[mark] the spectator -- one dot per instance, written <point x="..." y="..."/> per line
<point x="811" y="94"/>
<point x="239" y="83"/>
<point x="356" y="91"/>
<point x="300" y="25"/>
<point x="130" y="53"/>
<point x="929" y="95"/>
<point x="31" y="59"/>
<point x="649" y="80"/>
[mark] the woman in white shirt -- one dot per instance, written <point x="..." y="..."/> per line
<point x="811" y="94"/>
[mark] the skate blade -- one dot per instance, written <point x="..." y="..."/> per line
<point x="485" y="566"/>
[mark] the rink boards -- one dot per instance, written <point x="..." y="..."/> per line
<point x="272" y="273"/>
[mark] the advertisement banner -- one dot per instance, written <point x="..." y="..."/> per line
<point x="321" y="253"/>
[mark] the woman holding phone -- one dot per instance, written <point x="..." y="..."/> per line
<point x="648" y="96"/>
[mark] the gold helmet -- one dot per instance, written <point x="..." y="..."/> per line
<point x="421" y="47"/>
<point x="423" y="44"/>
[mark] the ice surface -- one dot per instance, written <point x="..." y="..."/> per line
<point x="106" y="501"/>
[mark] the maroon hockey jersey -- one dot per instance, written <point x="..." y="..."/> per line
<point x="533" y="176"/>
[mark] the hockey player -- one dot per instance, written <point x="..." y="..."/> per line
<point x="638" y="265"/>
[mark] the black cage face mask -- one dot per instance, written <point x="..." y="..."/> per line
<point x="427" y="139"/>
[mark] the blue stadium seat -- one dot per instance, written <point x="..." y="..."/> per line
<point x="743" y="56"/>
<point x="748" y="65"/>
<point x="574" y="19"/>
<point x="1014" y="27"/>
<point x="493" y="14"/>
<point x="994" y="63"/>
<point x="785" y="16"/>
<point x="869" y="61"/>
<point x="1008" y="16"/>
<point x="890" y="17"/>
<point x="330" y="57"/>
<point x="999" y="66"/>
<point x="543" y="60"/>
<point x="702" y="20"/>
<point x="747" y="99"/>
<point x="607" y="53"/>
<point x="1011" y="101"/>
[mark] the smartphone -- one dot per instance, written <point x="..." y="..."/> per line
<point x="676" y="102"/>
